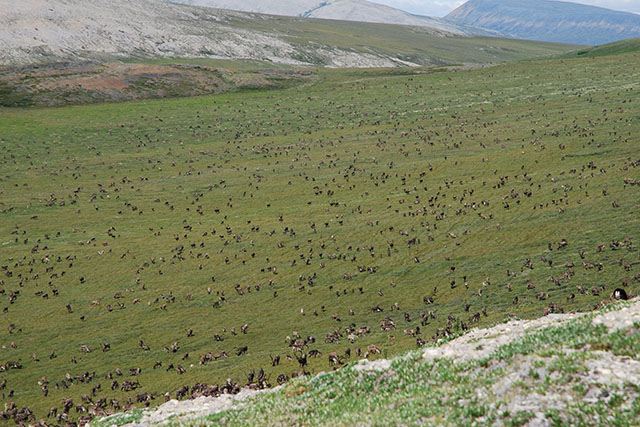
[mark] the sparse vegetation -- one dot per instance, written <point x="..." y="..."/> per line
<point x="615" y="48"/>
<point x="119" y="419"/>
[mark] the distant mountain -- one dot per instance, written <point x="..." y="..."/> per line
<point x="344" y="10"/>
<point x="549" y="20"/>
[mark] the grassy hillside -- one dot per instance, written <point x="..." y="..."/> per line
<point x="91" y="78"/>
<point x="568" y="372"/>
<point x="346" y="10"/>
<point x="410" y="204"/>
<point x="616" y="48"/>
<point x="46" y="31"/>
<point x="418" y="45"/>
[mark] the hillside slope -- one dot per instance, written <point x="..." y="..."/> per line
<point x="44" y="30"/>
<point x="33" y="31"/>
<point x="181" y="241"/>
<point x="549" y="20"/>
<point x="347" y="10"/>
<point x="615" y="48"/>
<point x="560" y="369"/>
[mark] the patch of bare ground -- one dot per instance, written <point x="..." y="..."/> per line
<point x="61" y="84"/>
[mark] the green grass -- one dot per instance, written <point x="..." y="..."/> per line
<point x="615" y="48"/>
<point x="151" y="199"/>
<point x="9" y="97"/>
<point x="415" y="391"/>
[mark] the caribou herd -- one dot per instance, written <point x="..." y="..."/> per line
<point x="303" y="293"/>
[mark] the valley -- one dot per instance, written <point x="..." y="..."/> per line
<point x="247" y="237"/>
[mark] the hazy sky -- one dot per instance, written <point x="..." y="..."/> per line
<point x="442" y="7"/>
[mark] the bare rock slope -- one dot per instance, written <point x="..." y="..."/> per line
<point x="54" y="31"/>
<point x="45" y="30"/>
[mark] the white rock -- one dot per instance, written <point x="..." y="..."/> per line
<point x="34" y="31"/>
<point x="376" y="365"/>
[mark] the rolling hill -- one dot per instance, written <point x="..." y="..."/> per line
<point x="553" y="21"/>
<point x="615" y="48"/>
<point x="345" y="10"/>
<point x="37" y="31"/>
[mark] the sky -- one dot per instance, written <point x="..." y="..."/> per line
<point x="440" y="8"/>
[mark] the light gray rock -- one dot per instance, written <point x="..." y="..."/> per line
<point x="620" y="319"/>
<point x="376" y="365"/>
<point x="481" y="343"/>
<point x="181" y="410"/>
<point x="33" y="31"/>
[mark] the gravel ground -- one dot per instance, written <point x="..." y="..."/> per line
<point x="620" y="319"/>
<point x="519" y="391"/>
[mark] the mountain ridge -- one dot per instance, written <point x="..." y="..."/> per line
<point x="40" y="31"/>
<point x="552" y="21"/>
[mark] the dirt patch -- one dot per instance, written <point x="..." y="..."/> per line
<point x="136" y="69"/>
<point x="91" y="83"/>
<point x="67" y="83"/>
